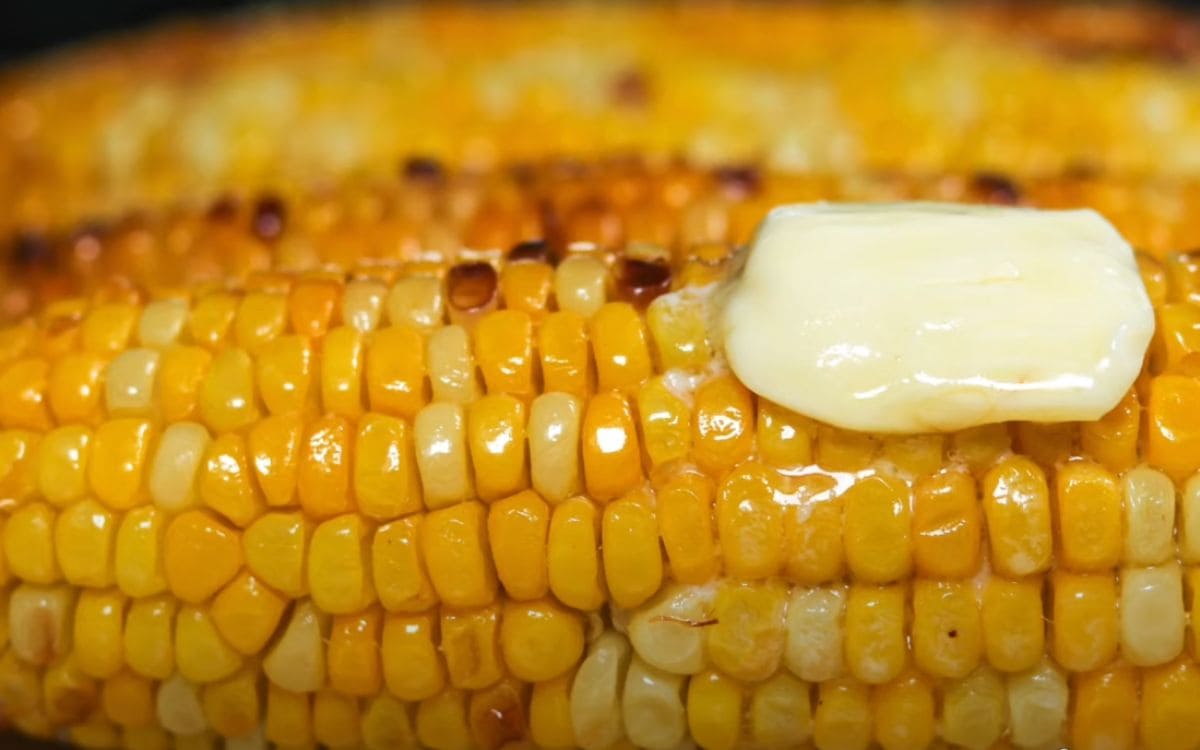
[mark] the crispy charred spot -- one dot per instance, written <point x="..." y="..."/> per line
<point x="738" y="181"/>
<point x="269" y="217"/>
<point x="531" y="250"/>
<point x="641" y="281"/>
<point x="994" y="187"/>
<point x="631" y="89"/>
<point x="422" y="169"/>
<point x="471" y="286"/>
<point x="31" y="249"/>
<point x="223" y="209"/>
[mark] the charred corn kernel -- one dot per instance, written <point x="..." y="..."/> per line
<point x="68" y="695"/>
<point x="947" y="637"/>
<point x="284" y="374"/>
<point x="1013" y="629"/>
<point x="1173" y="429"/>
<point x="1016" y="504"/>
<point x="261" y="317"/>
<point x="527" y="286"/>
<point x="128" y="699"/>
<point x="273" y="447"/>
<point x="231" y="706"/>
<point x="842" y="450"/>
<point x="107" y="327"/>
<point x="665" y="420"/>
<point x="842" y="720"/>
<point x="29" y="544"/>
<point x="83" y="541"/>
<point x="25" y="385"/>
<point x="416" y="301"/>
<point x="18" y="467"/>
<point x="517" y="530"/>
<point x="457" y="557"/>
<point x="276" y="548"/>
<point x="504" y="350"/>
<point x="200" y="555"/>
<point x="553" y="431"/>
<point x="353" y="653"/>
<point x="1152" y="614"/>
<point x="579" y="284"/>
<point x="176" y="463"/>
<point x="442" y="722"/>
<point x="566" y="357"/>
<point x="596" y="693"/>
<point x="212" y="317"/>
<point x="1104" y="709"/>
<point x="297" y="660"/>
<point x="550" y="713"/>
<point x="652" y="706"/>
<point x="470" y="646"/>
<point x="876" y="648"/>
<point x="780" y="712"/>
<point x="62" y="460"/>
<point x="877" y="535"/>
<point x="540" y="640"/>
<point x="496" y="443"/>
<point x="974" y="710"/>
<point x="335" y="719"/>
<point x="227" y="400"/>
<point x="396" y="371"/>
<point x="946" y="525"/>
<point x="572" y="554"/>
<point x="815" y="633"/>
<point x="149" y="646"/>
<point x="1037" y="706"/>
<point x="722" y="424"/>
<point x="903" y="713"/>
<point x="1089" y="517"/>
<point x="39" y="622"/>
<point x="129" y="383"/>
<point x="440" y="434"/>
<point x="714" y="711"/>
<point x="73" y="386"/>
<point x="342" y="372"/>
<point x="339" y="567"/>
<point x="784" y="438"/>
<point x="178" y="707"/>
<point x="451" y="365"/>
<point x="749" y="523"/>
<point x="386" y="484"/>
<point x="611" y="456"/>
<point x="201" y="654"/>
<point x="1168" y="715"/>
<point x="398" y="564"/>
<point x="629" y="541"/>
<point x="288" y="719"/>
<point x="225" y="482"/>
<point x="412" y="666"/>
<point x="182" y="371"/>
<point x="1149" y="517"/>
<point x="362" y="304"/>
<point x="120" y="451"/>
<point x="162" y="322"/>
<point x="1113" y="439"/>
<point x="684" y="511"/>
<point x="323" y="477"/>
<point x="386" y="725"/>
<point x="312" y="305"/>
<point x="1083" y="620"/>
<point x="747" y="636"/>
<point x="247" y="613"/>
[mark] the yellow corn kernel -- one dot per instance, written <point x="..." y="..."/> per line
<point x="200" y="555"/>
<point x="440" y="435"/>
<point x="579" y="284"/>
<point x="1047" y="444"/>
<point x="915" y="455"/>
<point x="1172" y="430"/>
<point x="231" y="706"/>
<point x="107" y="327"/>
<point x="946" y="523"/>
<point x="73" y="386"/>
<point x="572" y="555"/>
<point x="247" y="613"/>
<point x="398" y="564"/>
<point x="812" y="532"/>
<point x="276" y="548"/>
<point x="201" y="654"/>
<point x="18" y="467"/>
<point x="903" y="713"/>
<point x="843" y="450"/>
<point x="129" y="383"/>
<point x="39" y="622"/>
<point x="386" y="483"/>
<point x="442" y="722"/>
<point x="1189" y="521"/>
<point x="842" y="720"/>
<point x="815" y="634"/>
<point x="596" y="693"/>
<point x="149" y="645"/>
<point x="947" y="637"/>
<point x="182" y="371"/>
<point x="629" y="543"/>
<point x="457" y="557"/>
<point x="540" y="640"/>
<point x="877" y="536"/>
<point x="29" y="544"/>
<point x="1084" y="620"/>
<point x="714" y="711"/>
<point x="1149" y="517"/>
<point x="612" y="463"/>
<point x="161" y="322"/>
<point x="273" y="446"/>
<point x="362" y="304"/>
<point x="83" y="541"/>
<point x="669" y="632"/>
<point x="876" y="648"/>
<point x="1089" y="517"/>
<point x="470" y="647"/>
<point x="335" y="719"/>
<point x="68" y="695"/>
<point x="128" y="699"/>
<point x="749" y="523"/>
<point x="1016" y="504"/>
<point x="747" y="637"/>
<point x="554" y="421"/>
<point x="1013" y="628"/>
<point x="496" y="443"/>
<point x="396" y="371"/>
<point x="120" y="452"/>
<point x="550" y="713"/>
<point x="1112" y="440"/>
<point x="680" y="332"/>
<point x="451" y="365"/>
<point x="526" y="287"/>
<point x="684" y="513"/>
<point x="323" y="477"/>
<point x="386" y="725"/>
<point x="417" y="301"/>
<point x="339" y="568"/>
<point x="619" y="345"/>
<point x="225" y="483"/>
<point x="722" y="424"/>
<point x="1152" y="615"/>
<point x="284" y="374"/>
<point x="980" y="447"/>
<point x="212" y="316"/>
<point x="566" y="357"/>
<point x="1168" y="715"/>
<point x="20" y="686"/>
<point x="784" y="437"/>
<point x="96" y="732"/>
<point x="665" y="421"/>
<point x="297" y="660"/>
<point x="780" y="713"/>
<point x="504" y="349"/>
<point x="227" y="399"/>
<point x="517" y="530"/>
<point x="149" y="737"/>
<point x="1104" y="709"/>
<point x="342" y="372"/>
<point x="62" y="460"/>
<point x="176" y="462"/>
<point x="412" y="666"/>
<point x="261" y="317"/>
<point x="288" y="720"/>
<point x="353" y="655"/>
<point x="1037" y="706"/>
<point x="178" y="706"/>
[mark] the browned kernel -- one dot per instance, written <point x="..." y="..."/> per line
<point x="471" y="286"/>
<point x="640" y="281"/>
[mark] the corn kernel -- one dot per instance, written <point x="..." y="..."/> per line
<point x="129" y="383"/>
<point x="1016" y="503"/>
<point x="225" y="483"/>
<point x="1168" y="714"/>
<point x="396" y="371"/>
<point x="451" y="365"/>
<point x="335" y="719"/>
<point x="261" y="317"/>
<point x="517" y="530"/>
<point x="554" y="422"/>
<point x="387" y="725"/>
<point x="1149" y="517"/>
<point x="1152" y="616"/>
<point x="1084" y="620"/>
<point x="62" y="460"/>
<point x="749" y="523"/>
<point x="504" y="349"/>
<point x="29" y="544"/>
<point x="39" y="622"/>
<point x="903" y="713"/>
<point x="550" y="713"/>
<point x="496" y="443"/>
<point x="1113" y="439"/>
<point x="73" y="387"/>
<point x="747" y="637"/>
<point x="947" y="638"/>
<point x="440" y="435"/>
<point x="784" y="438"/>
<point x="572" y="554"/>
<point x="1013" y="629"/>
<point x="323" y="477"/>
<point x="629" y="543"/>
<point x="722" y="424"/>
<point x="814" y="649"/>
<point x="161" y="322"/>
<point x="876" y="648"/>
<point x="353" y="655"/>
<point x="128" y="699"/>
<point x="120" y="452"/>
<point x="176" y="462"/>
<point x="1089" y="517"/>
<point x="178" y="706"/>
<point x="200" y="555"/>
<point x="231" y="705"/>
<point x="227" y="400"/>
<point x="68" y="695"/>
<point x="665" y="421"/>
<point x="842" y="720"/>
<point x="946" y="525"/>
<point x="83" y="540"/>
<point x="398" y="564"/>
<point x="596" y="693"/>
<point x="412" y="666"/>
<point x="386" y="483"/>
<point x="1104" y="713"/>
<point x="877" y="540"/>
<point x="247" y="613"/>
<point x="339" y="568"/>
<point x="579" y="285"/>
<point x="470" y="647"/>
<point x="273" y="446"/>
<point x="297" y="660"/>
<point x="212" y="316"/>
<point x="1173" y="428"/>
<point x="416" y="301"/>
<point x="18" y="467"/>
<point x="540" y="640"/>
<point x="288" y="720"/>
<point x="149" y="645"/>
<point x="284" y="374"/>
<point x="181" y="375"/>
<point x="276" y="548"/>
<point x="714" y="711"/>
<point x="312" y="305"/>
<point x="1037" y="706"/>
<point x="566" y="357"/>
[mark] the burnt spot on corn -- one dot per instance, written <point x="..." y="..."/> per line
<point x="640" y="281"/>
<point x="738" y="181"/>
<point x="993" y="187"/>
<point x="631" y="89"/>
<point x="471" y="286"/>
<point x="422" y="169"/>
<point x="536" y="251"/>
<point x="270" y="217"/>
<point x="223" y="209"/>
<point x="30" y="249"/>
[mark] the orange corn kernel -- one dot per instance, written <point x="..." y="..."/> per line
<point x="396" y="371"/>
<point x="563" y="346"/>
<point x="947" y="526"/>
<point x="323" y="479"/>
<point x="612" y="462"/>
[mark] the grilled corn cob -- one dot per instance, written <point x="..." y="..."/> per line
<point x="495" y="496"/>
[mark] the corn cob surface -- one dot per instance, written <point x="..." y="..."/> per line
<point x="458" y="465"/>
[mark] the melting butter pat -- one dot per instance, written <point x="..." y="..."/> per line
<point x="918" y="317"/>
